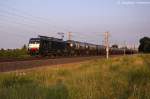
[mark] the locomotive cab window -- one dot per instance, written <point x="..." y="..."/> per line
<point x="34" y="41"/>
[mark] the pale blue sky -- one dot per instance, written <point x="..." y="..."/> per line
<point x="86" y="19"/>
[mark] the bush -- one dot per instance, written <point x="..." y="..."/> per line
<point x="13" y="53"/>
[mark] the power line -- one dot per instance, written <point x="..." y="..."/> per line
<point x="24" y="17"/>
<point x="27" y="16"/>
<point x="31" y="17"/>
<point x="26" y="13"/>
<point x="16" y="35"/>
<point x="14" y="23"/>
<point x="24" y="24"/>
<point x="14" y="15"/>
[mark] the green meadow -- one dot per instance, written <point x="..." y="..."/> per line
<point x="122" y="77"/>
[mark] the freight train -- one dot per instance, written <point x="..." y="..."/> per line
<point x="50" y="46"/>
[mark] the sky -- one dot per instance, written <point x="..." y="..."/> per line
<point x="87" y="20"/>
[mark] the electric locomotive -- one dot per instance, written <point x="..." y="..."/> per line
<point x="45" y="46"/>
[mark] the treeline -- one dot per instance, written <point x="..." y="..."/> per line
<point x="144" y="45"/>
<point x="14" y="53"/>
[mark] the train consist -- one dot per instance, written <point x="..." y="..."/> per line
<point x="50" y="46"/>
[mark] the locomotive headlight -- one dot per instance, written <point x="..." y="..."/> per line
<point x="71" y="45"/>
<point x="86" y="46"/>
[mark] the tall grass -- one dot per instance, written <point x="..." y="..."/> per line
<point x="126" y="77"/>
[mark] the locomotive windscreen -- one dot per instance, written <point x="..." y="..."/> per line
<point x="34" y="41"/>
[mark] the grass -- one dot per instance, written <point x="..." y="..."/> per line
<point x="126" y="77"/>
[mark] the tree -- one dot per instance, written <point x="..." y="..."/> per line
<point x="144" y="45"/>
<point x="147" y="48"/>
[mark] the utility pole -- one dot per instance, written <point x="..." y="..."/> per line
<point x="69" y="35"/>
<point x="107" y="44"/>
<point x="134" y="47"/>
<point x="124" y="50"/>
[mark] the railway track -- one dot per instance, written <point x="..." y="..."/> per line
<point x="21" y="59"/>
<point x="7" y="65"/>
<point x="37" y="58"/>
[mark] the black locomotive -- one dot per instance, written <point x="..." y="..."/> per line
<point x="50" y="46"/>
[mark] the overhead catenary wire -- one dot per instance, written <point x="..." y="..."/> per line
<point x="27" y="24"/>
<point x="33" y="20"/>
<point x="36" y="18"/>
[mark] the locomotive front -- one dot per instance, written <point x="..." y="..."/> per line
<point x="33" y="46"/>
